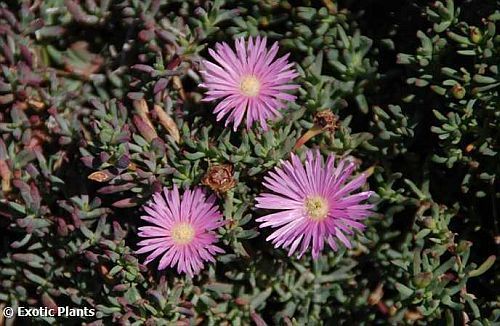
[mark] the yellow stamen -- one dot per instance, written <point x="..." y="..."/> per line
<point x="317" y="208"/>
<point x="182" y="233"/>
<point x="250" y="86"/>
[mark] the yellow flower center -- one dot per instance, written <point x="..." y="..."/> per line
<point x="250" y="85"/>
<point x="182" y="233"/>
<point x="317" y="208"/>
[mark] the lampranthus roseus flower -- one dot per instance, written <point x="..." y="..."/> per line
<point x="315" y="203"/>
<point x="183" y="230"/>
<point x="249" y="83"/>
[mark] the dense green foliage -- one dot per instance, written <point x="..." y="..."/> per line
<point x="100" y="107"/>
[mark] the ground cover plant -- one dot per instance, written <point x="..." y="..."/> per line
<point x="267" y="162"/>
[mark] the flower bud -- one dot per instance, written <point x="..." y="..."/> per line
<point x="458" y="91"/>
<point x="475" y="34"/>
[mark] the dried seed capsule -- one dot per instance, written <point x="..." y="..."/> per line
<point x="219" y="178"/>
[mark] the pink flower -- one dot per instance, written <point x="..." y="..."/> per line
<point x="315" y="204"/>
<point x="182" y="231"/>
<point x="249" y="82"/>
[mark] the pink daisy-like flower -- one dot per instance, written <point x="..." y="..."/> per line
<point x="315" y="203"/>
<point x="183" y="230"/>
<point x="249" y="82"/>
